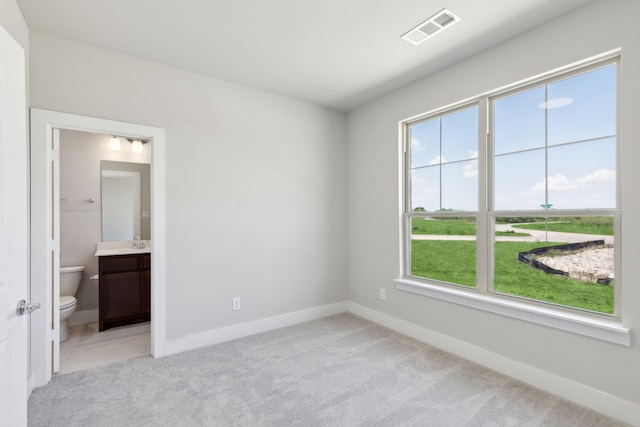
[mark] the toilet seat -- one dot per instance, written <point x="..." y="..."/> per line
<point x="67" y="301"/>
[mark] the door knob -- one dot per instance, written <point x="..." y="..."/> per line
<point x="23" y="307"/>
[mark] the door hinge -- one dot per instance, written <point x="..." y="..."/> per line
<point x="53" y="245"/>
<point x="55" y="335"/>
<point x="55" y="156"/>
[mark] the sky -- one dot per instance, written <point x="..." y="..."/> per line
<point x="554" y="144"/>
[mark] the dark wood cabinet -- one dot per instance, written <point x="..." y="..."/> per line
<point x="125" y="290"/>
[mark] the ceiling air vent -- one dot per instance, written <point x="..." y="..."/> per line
<point x="432" y="26"/>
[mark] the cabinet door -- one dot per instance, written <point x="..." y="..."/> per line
<point x="120" y="295"/>
<point x="146" y="292"/>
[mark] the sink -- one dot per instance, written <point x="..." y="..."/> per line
<point x="134" y="250"/>
<point x="121" y="248"/>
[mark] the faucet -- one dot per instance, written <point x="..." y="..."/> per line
<point x="137" y="243"/>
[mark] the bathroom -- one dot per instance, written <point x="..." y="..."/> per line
<point x="90" y="164"/>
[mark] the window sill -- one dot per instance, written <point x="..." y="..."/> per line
<point x="603" y="329"/>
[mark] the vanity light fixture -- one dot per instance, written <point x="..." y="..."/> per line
<point x="136" y="145"/>
<point x="114" y="143"/>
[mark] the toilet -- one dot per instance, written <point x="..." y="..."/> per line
<point x="70" y="279"/>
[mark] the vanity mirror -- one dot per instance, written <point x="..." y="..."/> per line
<point x="126" y="201"/>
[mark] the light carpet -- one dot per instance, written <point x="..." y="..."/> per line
<point x="337" y="371"/>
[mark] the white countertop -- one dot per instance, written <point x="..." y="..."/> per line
<point x="121" y="248"/>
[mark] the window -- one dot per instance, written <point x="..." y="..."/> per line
<point x="514" y="196"/>
<point x="443" y="161"/>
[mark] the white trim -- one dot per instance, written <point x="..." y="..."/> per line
<point x="581" y="394"/>
<point x="232" y="332"/>
<point x="42" y="124"/>
<point x="83" y="317"/>
<point x="603" y="329"/>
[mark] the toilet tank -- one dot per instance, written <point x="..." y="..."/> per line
<point x="70" y="279"/>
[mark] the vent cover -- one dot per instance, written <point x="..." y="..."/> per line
<point x="432" y="26"/>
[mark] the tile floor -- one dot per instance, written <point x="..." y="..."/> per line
<point x="88" y="348"/>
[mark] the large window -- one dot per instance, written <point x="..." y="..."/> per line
<point x="514" y="194"/>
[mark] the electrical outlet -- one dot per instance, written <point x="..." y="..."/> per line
<point x="383" y="294"/>
<point x="235" y="304"/>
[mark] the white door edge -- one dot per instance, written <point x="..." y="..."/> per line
<point x="14" y="232"/>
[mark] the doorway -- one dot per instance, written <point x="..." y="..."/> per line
<point x="45" y="238"/>
<point x="104" y="197"/>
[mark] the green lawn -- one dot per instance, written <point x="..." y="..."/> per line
<point x="450" y="228"/>
<point x="454" y="262"/>
<point x="588" y="225"/>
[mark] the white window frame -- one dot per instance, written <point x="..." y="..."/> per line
<point x="596" y="325"/>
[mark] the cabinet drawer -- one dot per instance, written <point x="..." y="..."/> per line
<point x="117" y="263"/>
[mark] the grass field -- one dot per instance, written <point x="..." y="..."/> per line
<point x="451" y="228"/>
<point x="454" y="262"/>
<point x="584" y="225"/>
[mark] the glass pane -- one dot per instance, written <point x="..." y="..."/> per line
<point x="565" y="260"/>
<point x="460" y="186"/>
<point x="444" y="250"/>
<point x="583" y="107"/>
<point x="425" y="143"/>
<point x="519" y="121"/>
<point x="583" y="175"/>
<point x="460" y="135"/>
<point x="425" y="189"/>
<point x="519" y="181"/>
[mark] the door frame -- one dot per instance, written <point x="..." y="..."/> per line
<point x="44" y="333"/>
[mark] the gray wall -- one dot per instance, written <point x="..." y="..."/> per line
<point x="255" y="182"/>
<point x="373" y="176"/>
<point x="11" y="20"/>
<point x="81" y="154"/>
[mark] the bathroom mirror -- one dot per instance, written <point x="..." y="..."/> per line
<point x="126" y="201"/>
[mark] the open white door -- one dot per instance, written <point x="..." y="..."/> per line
<point x="13" y="234"/>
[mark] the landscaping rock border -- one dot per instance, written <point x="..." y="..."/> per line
<point x="527" y="257"/>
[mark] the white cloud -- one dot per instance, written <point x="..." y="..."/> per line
<point x="416" y="145"/>
<point x="556" y="103"/>
<point x="601" y="175"/>
<point x="473" y="154"/>
<point x="437" y="160"/>
<point x="559" y="182"/>
<point x="470" y="170"/>
<point x="423" y="193"/>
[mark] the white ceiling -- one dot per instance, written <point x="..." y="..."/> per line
<point x="336" y="53"/>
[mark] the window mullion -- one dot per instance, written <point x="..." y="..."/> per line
<point x="483" y="255"/>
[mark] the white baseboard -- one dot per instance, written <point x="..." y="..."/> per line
<point x="228" y="333"/>
<point x="581" y="394"/>
<point x="83" y="316"/>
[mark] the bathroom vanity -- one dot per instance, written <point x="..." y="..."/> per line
<point x="125" y="287"/>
